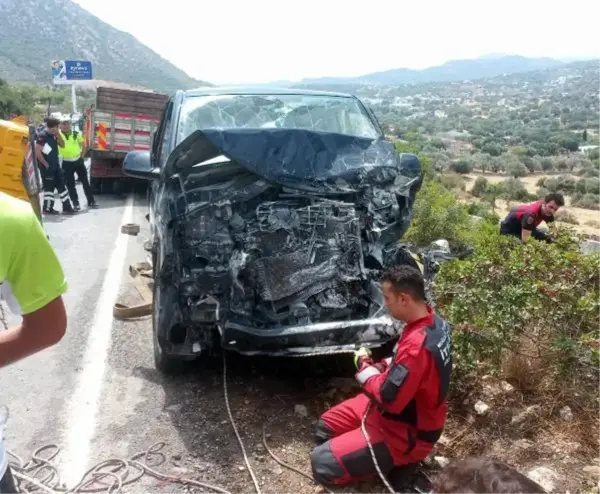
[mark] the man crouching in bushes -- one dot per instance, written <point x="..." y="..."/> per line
<point x="475" y="475"/>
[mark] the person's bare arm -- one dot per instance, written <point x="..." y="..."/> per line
<point x="39" y="154"/>
<point x="40" y="329"/>
<point x="35" y="284"/>
<point x="59" y="138"/>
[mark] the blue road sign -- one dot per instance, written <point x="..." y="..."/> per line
<point x="66" y="71"/>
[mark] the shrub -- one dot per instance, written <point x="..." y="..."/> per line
<point x="479" y="187"/>
<point x="547" y="164"/>
<point x="540" y="182"/>
<point x="437" y="214"/>
<point x="592" y="185"/>
<point x="462" y="166"/>
<point x="566" y="217"/>
<point x="484" y="211"/>
<point x="517" y="169"/>
<point x="506" y="293"/>
<point x="452" y="181"/>
<point x="514" y="190"/>
<point x="588" y="201"/>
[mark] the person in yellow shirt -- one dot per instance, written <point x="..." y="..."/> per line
<point x="71" y="153"/>
<point x="32" y="283"/>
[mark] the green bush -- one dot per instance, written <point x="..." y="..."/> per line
<point x="462" y="166"/>
<point x="437" y="214"/>
<point x="452" y="181"/>
<point x="479" y="187"/>
<point x="517" y="169"/>
<point x="514" y="190"/>
<point x="507" y="294"/>
<point x="588" y="201"/>
<point x="592" y="186"/>
<point x="484" y="211"/>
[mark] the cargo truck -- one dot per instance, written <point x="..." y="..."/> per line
<point x="122" y="120"/>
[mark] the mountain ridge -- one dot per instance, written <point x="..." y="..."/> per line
<point x="489" y="65"/>
<point x="28" y="45"/>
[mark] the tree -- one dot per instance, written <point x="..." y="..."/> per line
<point x="479" y="187"/>
<point x="462" y="166"/>
<point x="517" y="169"/>
<point x="584" y="136"/>
<point x="492" y="193"/>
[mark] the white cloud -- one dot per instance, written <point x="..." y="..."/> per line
<point x="232" y="41"/>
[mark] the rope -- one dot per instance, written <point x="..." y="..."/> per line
<point x="39" y="474"/>
<point x="375" y="462"/>
<point x="226" y="394"/>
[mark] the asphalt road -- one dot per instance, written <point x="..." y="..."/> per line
<point x="98" y="396"/>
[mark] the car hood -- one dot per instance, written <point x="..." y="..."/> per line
<point x="303" y="159"/>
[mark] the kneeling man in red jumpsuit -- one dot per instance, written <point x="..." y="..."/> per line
<point x="407" y="393"/>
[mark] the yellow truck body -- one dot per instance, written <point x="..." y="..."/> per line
<point x="14" y="140"/>
<point x="18" y="175"/>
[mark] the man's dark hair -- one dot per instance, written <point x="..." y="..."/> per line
<point x="483" y="476"/>
<point x="556" y="197"/>
<point x="405" y="279"/>
<point x="52" y="122"/>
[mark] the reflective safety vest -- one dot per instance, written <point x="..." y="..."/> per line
<point x="72" y="148"/>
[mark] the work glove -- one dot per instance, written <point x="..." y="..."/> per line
<point x="361" y="355"/>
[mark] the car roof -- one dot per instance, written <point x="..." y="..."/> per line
<point x="211" y="91"/>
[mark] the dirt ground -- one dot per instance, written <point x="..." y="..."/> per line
<point x="285" y="399"/>
<point x="589" y="220"/>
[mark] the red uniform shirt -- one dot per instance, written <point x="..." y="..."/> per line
<point x="412" y="385"/>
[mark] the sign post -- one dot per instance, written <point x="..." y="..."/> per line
<point x="71" y="72"/>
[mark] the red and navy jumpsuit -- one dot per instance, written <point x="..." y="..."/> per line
<point x="408" y="396"/>
<point x="526" y="217"/>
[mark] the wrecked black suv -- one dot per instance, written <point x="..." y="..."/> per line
<point x="272" y="214"/>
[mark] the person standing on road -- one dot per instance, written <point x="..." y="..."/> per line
<point x="71" y="152"/>
<point x="46" y="153"/>
<point x="523" y="220"/>
<point x="405" y="395"/>
<point x="32" y="283"/>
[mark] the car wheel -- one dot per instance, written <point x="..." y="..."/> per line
<point x="163" y="362"/>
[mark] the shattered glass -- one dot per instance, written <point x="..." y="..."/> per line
<point x="331" y="114"/>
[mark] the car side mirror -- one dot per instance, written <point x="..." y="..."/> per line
<point x="138" y="164"/>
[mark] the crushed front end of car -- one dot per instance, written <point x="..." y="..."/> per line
<point x="277" y="239"/>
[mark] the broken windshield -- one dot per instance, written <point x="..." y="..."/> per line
<point x="322" y="113"/>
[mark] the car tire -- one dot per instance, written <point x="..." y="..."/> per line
<point x="163" y="362"/>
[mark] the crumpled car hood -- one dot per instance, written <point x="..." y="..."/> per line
<point x="303" y="159"/>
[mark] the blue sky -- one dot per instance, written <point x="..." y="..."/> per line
<point x="233" y="41"/>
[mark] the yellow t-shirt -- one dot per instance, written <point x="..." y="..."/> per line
<point x="31" y="275"/>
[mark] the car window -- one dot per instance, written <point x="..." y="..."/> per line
<point x="164" y="134"/>
<point x="335" y="114"/>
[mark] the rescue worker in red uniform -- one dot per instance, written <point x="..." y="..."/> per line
<point x="523" y="220"/>
<point x="405" y="395"/>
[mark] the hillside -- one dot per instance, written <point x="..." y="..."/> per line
<point x="34" y="32"/>
<point x="453" y="70"/>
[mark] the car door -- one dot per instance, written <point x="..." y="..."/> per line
<point x="160" y="149"/>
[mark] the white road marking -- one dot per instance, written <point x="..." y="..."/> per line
<point x="81" y="422"/>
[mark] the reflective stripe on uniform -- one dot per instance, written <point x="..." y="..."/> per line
<point x="364" y="375"/>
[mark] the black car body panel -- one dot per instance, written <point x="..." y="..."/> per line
<point x="277" y="238"/>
